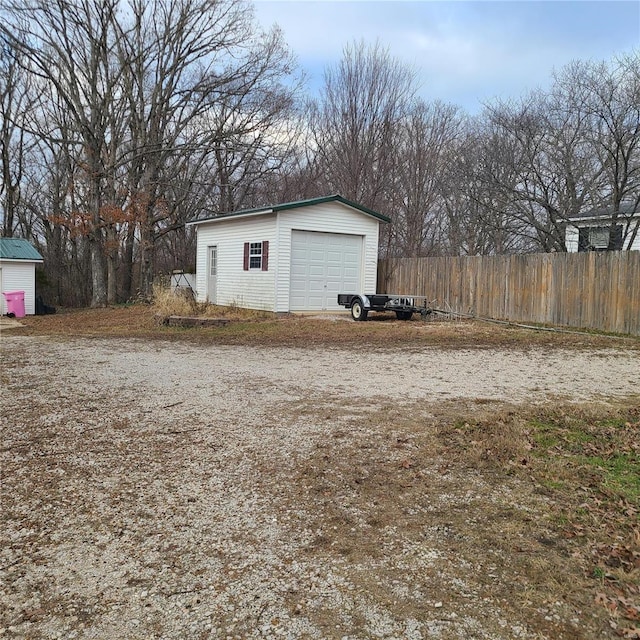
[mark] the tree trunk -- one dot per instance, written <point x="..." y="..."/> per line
<point x="127" y="263"/>
<point x="98" y="279"/>
<point x="146" y="260"/>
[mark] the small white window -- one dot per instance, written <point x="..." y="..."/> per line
<point x="255" y="255"/>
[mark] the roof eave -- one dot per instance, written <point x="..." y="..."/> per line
<point x="333" y="198"/>
<point x="609" y="219"/>
<point x="233" y="215"/>
<point x="293" y="205"/>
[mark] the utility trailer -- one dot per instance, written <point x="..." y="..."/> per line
<point x="403" y="306"/>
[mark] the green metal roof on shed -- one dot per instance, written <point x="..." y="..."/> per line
<point x="293" y="205"/>
<point x="18" y="249"/>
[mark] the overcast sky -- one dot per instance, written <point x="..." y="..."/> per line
<point x="464" y="52"/>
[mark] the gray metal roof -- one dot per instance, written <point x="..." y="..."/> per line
<point x="293" y="205"/>
<point x="627" y="209"/>
<point x="18" y="249"/>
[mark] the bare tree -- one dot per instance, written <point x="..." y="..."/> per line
<point x="69" y="46"/>
<point x="426" y="142"/>
<point x="53" y="199"/>
<point x="16" y="101"/>
<point x="572" y="149"/>
<point x="610" y="95"/>
<point x="205" y="92"/>
<point x="356" y="120"/>
<point x="541" y="139"/>
<point x="154" y="95"/>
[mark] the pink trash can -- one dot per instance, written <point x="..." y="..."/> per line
<point x="15" y="303"/>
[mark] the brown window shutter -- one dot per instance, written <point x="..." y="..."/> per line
<point x="245" y="265"/>
<point x="265" y="255"/>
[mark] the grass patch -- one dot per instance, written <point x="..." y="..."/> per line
<point x="577" y="540"/>
<point x="594" y="446"/>
<point x="587" y="462"/>
<point x="544" y="435"/>
<point x="621" y="474"/>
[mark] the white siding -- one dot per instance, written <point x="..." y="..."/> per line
<point x="19" y="276"/>
<point x="330" y="217"/>
<point x="251" y="289"/>
<point x="571" y="239"/>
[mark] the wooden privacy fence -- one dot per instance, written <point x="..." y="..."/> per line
<point x="592" y="290"/>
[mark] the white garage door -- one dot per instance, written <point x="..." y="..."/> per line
<point x="322" y="266"/>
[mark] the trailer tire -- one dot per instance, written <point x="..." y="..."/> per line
<point x="358" y="310"/>
<point x="404" y="315"/>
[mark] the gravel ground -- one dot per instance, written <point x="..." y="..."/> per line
<point x="163" y="490"/>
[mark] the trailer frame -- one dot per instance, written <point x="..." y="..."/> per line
<point x="403" y="306"/>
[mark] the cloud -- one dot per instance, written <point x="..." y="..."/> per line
<point x="464" y="52"/>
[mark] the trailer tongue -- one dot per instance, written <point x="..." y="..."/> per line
<point x="403" y="306"/>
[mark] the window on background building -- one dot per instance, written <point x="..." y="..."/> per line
<point x="597" y="238"/>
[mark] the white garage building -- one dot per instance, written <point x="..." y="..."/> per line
<point x="295" y="256"/>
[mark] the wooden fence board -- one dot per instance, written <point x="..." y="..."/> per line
<point x="591" y="290"/>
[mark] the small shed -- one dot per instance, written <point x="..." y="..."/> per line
<point x="18" y="260"/>
<point x="295" y="256"/>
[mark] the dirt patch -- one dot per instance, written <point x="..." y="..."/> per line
<point x="156" y="489"/>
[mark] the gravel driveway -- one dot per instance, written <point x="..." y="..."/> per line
<point x="163" y="490"/>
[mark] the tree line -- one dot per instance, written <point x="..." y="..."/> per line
<point x="122" y="119"/>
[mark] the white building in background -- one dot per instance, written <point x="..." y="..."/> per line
<point x="590" y="231"/>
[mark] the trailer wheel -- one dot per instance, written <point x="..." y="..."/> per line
<point x="404" y="315"/>
<point x="358" y="311"/>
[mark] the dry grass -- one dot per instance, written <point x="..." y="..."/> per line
<point x="587" y="461"/>
<point x="572" y="536"/>
<point x="181" y="302"/>
<point x="263" y="328"/>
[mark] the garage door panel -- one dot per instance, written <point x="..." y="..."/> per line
<point x="316" y="271"/>
<point x="298" y="255"/>
<point x="315" y="302"/>
<point x="350" y="273"/>
<point x="323" y="265"/>
<point x="334" y="288"/>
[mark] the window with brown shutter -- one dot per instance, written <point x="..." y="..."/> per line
<point x="256" y="256"/>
